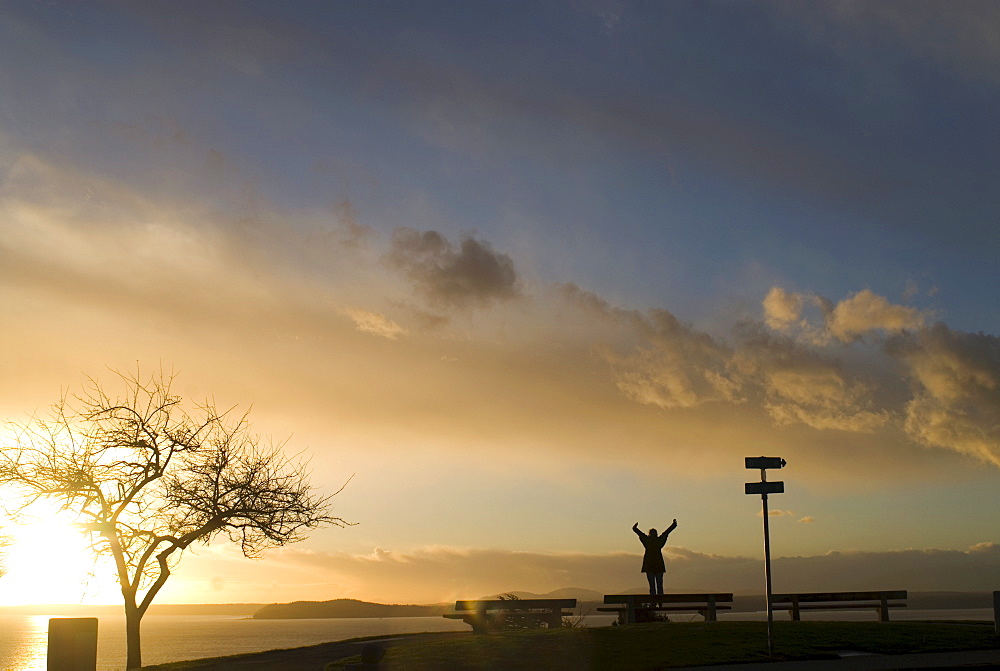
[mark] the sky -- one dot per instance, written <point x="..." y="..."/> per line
<point x="528" y="273"/>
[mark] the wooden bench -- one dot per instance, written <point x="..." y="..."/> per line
<point x="511" y="613"/>
<point x="881" y="602"/>
<point x="704" y="604"/>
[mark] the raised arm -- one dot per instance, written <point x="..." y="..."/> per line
<point x="635" y="528"/>
<point x="672" y="526"/>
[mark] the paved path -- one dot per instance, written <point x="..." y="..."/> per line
<point x="971" y="659"/>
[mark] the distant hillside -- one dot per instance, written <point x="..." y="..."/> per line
<point x="587" y="603"/>
<point x="345" y="608"/>
<point x="577" y="593"/>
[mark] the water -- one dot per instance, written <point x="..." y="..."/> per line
<point x="173" y="638"/>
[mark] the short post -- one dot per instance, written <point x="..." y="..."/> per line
<point x="996" y="612"/>
<point x="72" y="644"/>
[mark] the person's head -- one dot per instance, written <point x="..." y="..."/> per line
<point x="652" y="532"/>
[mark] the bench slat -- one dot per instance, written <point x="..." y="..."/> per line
<point x="666" y="598"/>
<point x="706" y="604"/>
<point x="845" y="606"/>
<point x="501" y="604"/>
<point x="839" y="596"/>
<point x="620" y="609"/>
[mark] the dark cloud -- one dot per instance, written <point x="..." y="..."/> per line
<point x="470" y="275"/>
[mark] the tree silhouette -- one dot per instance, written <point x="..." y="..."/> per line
<point x="147" y="478"/>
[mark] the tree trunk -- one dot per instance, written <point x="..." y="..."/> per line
<point x="132" y="641"/>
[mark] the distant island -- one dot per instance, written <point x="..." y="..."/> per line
<point x="346" y="608"/>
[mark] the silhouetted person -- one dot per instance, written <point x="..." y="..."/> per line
<point x="652" y="559"/>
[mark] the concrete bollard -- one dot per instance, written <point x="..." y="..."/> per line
<point x="72" y="644"/>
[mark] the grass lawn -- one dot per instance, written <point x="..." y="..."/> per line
<point x="661" y="645"/>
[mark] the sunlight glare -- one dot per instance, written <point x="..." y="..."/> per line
<point x="49" y="562"/>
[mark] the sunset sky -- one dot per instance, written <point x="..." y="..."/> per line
<point x="532" y="272"/>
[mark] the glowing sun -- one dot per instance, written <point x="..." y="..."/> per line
<point x="48" y="561"/>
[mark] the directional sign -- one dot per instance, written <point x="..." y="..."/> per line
<point x="776" y="487"/>
<point x="764" y="462"/>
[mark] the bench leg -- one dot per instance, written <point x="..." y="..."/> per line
<point x="478" y="625"/>
<point x="479" y="622"/>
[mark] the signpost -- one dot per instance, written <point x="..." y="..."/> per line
<point x="764" y="488"/>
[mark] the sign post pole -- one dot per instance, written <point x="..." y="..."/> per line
<point x="764" y="488"/>
<point x="767" y="569"/>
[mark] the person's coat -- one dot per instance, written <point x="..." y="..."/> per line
<point x="652" y="558"/>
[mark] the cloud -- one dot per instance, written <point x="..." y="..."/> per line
<point x="376" y="324"/>
<point x="144" y="278"/>
<point x="666" y="363"/>
<point x="777" y="513"/>
<point x="783" y="366"/>
<point x="956" y="389"/>
<point x="353" y="235"/>
<point x="848" y="320"/>
<point x="866" y="311"/>
<point x="662" y="362"/>
<point x="470" y="275"/>
<point x="800" y="385"/>
<point x="782" y="308"/>
<point x="808" y="519"/>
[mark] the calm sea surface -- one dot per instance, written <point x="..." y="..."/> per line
<point x="172" y="638"/>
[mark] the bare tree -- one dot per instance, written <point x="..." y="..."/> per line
<point x="147" y="478"/>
